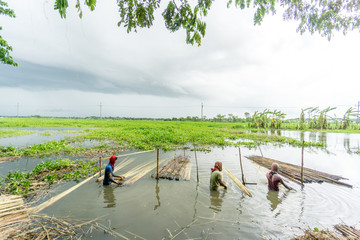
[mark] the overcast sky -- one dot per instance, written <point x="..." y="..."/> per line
<point x="67" y="67"/>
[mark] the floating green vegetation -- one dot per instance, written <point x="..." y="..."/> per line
<point x="52" y="147"/>
<point x="47" y="173"/>
<point x="48" y="133"/>
<point x="11" y="133"/>
<point x="148" y="135"/>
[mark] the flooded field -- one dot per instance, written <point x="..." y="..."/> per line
<point x="164" y="209"/>
<point x="37" y="136"/>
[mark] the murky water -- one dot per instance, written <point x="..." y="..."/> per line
<point x="155" y="209"/>
<point x="39" y="135"/>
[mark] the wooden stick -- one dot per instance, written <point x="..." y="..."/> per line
<point x="47" y="233"/>
<point x="242" y="172"/>
<point x="197" y="166"/>
<point x="157" y="164"/>
<point x="259" y="149"/>
<point x="185" y="228"/>
<point x="170" y="235"/>
<point x="302" y="163"/>
<point x="100" y="166"/>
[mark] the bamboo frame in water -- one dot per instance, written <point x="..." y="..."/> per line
<point x="293" y="172"/>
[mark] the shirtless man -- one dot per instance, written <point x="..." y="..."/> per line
<point x="274" y="179"/>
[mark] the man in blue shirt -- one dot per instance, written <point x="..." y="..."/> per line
<point x="109" y="172"/>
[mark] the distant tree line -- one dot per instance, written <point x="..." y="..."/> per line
<point x="310" y="118"/>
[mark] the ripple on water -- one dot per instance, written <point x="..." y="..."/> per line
<point x="330" y="204"/>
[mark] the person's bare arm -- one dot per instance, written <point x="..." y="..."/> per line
<point x="222" y="183"/>
<point x="288" y="187"/>
<point x="112" y="179"/>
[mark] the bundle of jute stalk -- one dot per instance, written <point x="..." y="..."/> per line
<point x="140" y="172"/>
<point x="237" y="181"/>
<point x="178" y="168"/>
<point x="293" y="172"/>
<point x="349" y="232"/>
<point x="12" y="214"/>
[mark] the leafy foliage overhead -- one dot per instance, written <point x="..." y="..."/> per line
<point x="322" y="16"/>
<point x="5" y="48"/>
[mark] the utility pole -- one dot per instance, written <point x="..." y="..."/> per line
<point x="17" y="110"/>
<point x="202" y="111"/>
<point x="100" y="110"/>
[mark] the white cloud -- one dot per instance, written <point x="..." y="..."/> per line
<point x="238" y="65"/>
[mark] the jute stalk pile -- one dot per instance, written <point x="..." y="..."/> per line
<point x="348" y="232"/>
<point x="13" y="215"/>
<point x="293" y="172"/>
<point x="139" y="172"/>
<point x="177" y="169"/>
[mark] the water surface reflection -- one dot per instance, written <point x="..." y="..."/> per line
<point x="275" y="198"/>
<point x="109" y="197"/>
<point x="157" y="191"/>
<point x="216" y="200"/>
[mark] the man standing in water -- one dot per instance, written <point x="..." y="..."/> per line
<point x="216" y="177"/>
<point x="109" y="172"/>
<point x="274" y="179"/>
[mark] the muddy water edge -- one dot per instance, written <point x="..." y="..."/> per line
<point x="160" y="209"/>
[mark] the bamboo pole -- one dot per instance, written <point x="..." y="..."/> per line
<point x="157" y="164"/>
<point x="302" y="163"/>
<point x="100" y="166"/>
<point x="240" y="185"/>
<point x="59" y="196"/>
<point x="197" y="166"/>
<point x="259" y="149"/>
<point x="242" y="172"/>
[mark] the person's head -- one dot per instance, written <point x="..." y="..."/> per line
<point x="113" y="159"/>
<point x="218" y="165"/>
<point x="275" y="167"/>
